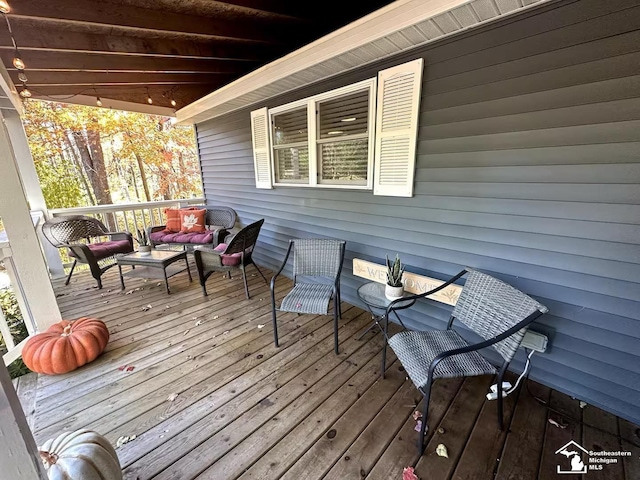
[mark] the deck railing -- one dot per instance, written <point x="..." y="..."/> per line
<point x="14" y="350"/>
<point x="128" y="216"/>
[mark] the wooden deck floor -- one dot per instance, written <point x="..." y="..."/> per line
<point x="207" y="395"/>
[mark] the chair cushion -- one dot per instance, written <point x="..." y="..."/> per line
<point x="308" y="298"/>
<point x="416" y="351"/>
<point x="192" y="221"/>
<point x="106" y="249"/>
<point x="172" y="223"/>
<point x="230" y="260"/>
<point x="165" y="236"/>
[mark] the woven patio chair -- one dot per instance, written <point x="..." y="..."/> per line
<point x="319" y="262"/>
<point x="234" y="256"/>
<point x="494" y="310"/>
<point x="77" y="232"/>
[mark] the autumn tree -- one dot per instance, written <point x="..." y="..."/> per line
<point x="88" y="155"/>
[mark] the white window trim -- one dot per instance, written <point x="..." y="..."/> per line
<point x="311" y="102"/>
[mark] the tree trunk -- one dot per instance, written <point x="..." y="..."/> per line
<point x="103" y="194"/>
<point x="143" y="176"/>
<point x="77" y="164"/>
<point x="87" y="163"/>
<point x="135" y="183"/>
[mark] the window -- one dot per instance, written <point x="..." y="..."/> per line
<point x="291" y="146"/>
<point x="325" y="140"/>
<point x="341" y="138"/>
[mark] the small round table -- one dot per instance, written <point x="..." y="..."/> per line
<point x="372" y="294"/>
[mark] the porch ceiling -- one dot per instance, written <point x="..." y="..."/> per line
<point x="124" y="49"/>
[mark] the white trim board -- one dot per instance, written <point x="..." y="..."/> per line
<point x="400" y="26"/>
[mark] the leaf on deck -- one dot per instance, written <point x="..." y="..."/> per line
<point x="408" y="474"/>
<point x="124" y="439"/>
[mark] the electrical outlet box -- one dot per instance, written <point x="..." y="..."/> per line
<point x="535" y="341"/>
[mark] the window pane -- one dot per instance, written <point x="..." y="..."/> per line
<point x="290" y="127"/>
<point x="347" y="115"/>
<point x="292" y="164"/>
<point x="344" y="162"/>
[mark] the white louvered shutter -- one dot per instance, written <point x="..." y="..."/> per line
<point x="261" y="147"/>
<point x="397" y="129"/>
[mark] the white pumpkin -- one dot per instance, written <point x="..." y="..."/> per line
<point x="80" y="455"/>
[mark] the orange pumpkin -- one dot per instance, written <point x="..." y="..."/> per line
<point x="65" y="346"/>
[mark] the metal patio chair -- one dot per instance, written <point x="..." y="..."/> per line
<point x="494" y="310"/>
<point x="234" y="256"/>
<point x="316" y="260"/>
<point x="76" y="232"/>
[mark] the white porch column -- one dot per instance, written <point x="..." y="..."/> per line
<point x="28" y="261"/>
<point x="31" y="184"/>
<point x="20" y="459"/>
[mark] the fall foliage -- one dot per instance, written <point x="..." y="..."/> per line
<point x="95" y="156"/>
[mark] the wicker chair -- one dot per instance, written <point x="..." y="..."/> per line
<point x="494" y="310"/>
<point x="313" y="259"/>
<point x="234" y="256"/>
<point x="76" y="232"/>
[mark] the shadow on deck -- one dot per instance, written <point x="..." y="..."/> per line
<point x="200" y="384"/>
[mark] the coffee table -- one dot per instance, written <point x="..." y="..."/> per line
<point x="157" y="264"/>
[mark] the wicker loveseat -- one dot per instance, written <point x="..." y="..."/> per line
<point x="218" y="221"/>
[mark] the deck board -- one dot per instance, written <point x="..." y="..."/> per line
<point x="520" y="459"/>
<point x="210" y="397"/>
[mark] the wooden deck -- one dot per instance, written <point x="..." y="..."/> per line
<point x="207" y="395"/>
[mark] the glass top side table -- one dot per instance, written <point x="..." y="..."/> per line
<point x="372" y="294"/>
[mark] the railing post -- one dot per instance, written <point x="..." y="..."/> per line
<point x="30" y="268"/>
<point x="31" y="185"/>
<point x="20" y="459"/>
<point x="6" y="332"/>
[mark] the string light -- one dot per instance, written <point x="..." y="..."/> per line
<point x="173" y="102"/>
<point x="149" y="99"/>
<point x="17" y="62"/>
<point x="98" y="101"/>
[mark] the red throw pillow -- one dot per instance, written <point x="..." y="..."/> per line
<point x="173" y="223"/>
<point x="192" y="221"/>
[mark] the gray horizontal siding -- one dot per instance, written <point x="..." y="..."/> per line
<point x="528" y="167"/>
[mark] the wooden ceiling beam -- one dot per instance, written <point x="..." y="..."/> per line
<point x="42" y="60"/>
<point x="40" y="78"/>
<point x="44" y="37"/>
<point x="103" y="13"/>
<point x="294" y="8"/>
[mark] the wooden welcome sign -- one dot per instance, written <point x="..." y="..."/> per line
<point x="413" y="283"/>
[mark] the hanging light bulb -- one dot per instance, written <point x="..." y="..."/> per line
<point x="98" y="101"/>
<point x="25" y="93"/>
<point x="4" y="7"/>
<point x="17" y="62"/>
<point x="22" y="77"/>
<point x="149" y="100"/>
<point x="173" y="102"/>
